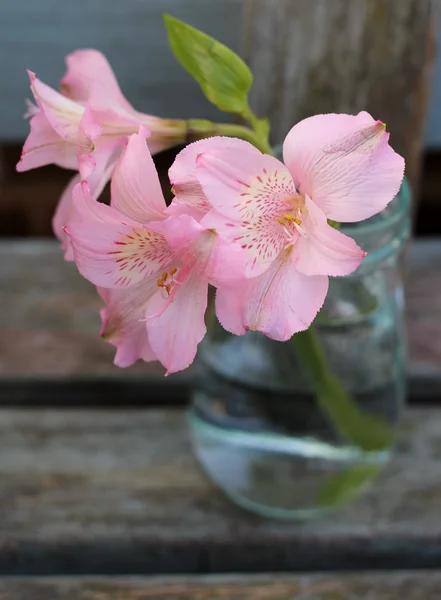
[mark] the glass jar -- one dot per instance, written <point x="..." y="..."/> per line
<point x="256" y="426"/>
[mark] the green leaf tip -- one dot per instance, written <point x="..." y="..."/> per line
<point x="222" y="75"/>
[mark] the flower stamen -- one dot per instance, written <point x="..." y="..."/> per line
<point x="289" y="219"/>
<point x="167" y="280"/>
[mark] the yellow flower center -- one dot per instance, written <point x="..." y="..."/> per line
<point x="166" y="280"/>
<point x="289" y="219"/>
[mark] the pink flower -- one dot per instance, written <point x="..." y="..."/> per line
<point x="154" y="270"/>
<point x="96" y="182"/>
<point x="338" y="167"/>
<point x="123" y="324"/>
<point x="85" y="127"/>
<point x="88" y="68"/>
<point x="58" y="134"/>
<point x="189" y="195"/>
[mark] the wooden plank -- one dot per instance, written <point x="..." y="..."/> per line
<point x="49" y="326"/>
<point x="432" y="138"/>
<point x="417" y="585"/>
<point x="105" y="492"/>
<point x="132" y="36"/>
<point x="50" y="316"/>
<point x="423" y="308"/>
<point x="339" y="56"/>
<point x="37" y="36"/>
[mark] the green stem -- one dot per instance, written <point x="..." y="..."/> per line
<point x="251" y="118"/>
<point x="201" y="128"/>
<point x="366" y="431"/>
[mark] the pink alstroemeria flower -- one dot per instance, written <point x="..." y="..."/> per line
<point x="87" y="68"/>
<point x="154" y="270"/>
<point x="58" y="134"/>
<point x="337" y="167"/>
<point x="86" y="126"/>
<point x="189" y="197"/>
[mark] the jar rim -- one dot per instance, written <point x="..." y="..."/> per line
<point x="399" y="212"/>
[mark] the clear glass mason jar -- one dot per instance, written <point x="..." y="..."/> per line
<point x="257" y="429"/>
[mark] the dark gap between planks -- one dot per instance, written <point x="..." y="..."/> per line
<point x="137" y="557"/>
<point x="424" y="388"/>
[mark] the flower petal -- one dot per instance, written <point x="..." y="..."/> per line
<point x="90" y="135"/>
<point x="103" y="171"/>
<point x="136" y="191"/>
<point x="62" y="113"/>
<point x="323" y="250"/>
<point x="89" y="75"/>
<point x="97" y="182"/>
<point x="282" y="301"/>
<point x="230" y="307"/>
<point x="174" y="334"/>
<point x="111" y="250"/>
<point x="86" y="68"/>
<point x="239" y="182"/>
<point x="252" y="190"/>
<point x="189" y="195"/>
<point x="344" y="164"/>
<point x="115" y="121"/>
<point x="124" y="324"/>
<point x="202" y="250"/>
<point x="44" y="146"/>
<point x="61" y="217"/>
<point x="58" y="132"/>
<point x="190" y="206"/>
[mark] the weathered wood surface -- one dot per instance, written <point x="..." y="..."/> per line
<point x="105" y="492"/>
<point x="49" y="319"/>
<point x="420" y="585"/>
<point x="423" y="308"/>
<point x="319" y="57"/>
<point x="38" y="35"/>
<point x="432" y="138"/>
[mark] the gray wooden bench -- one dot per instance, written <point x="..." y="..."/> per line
<point x="97" y="478"/>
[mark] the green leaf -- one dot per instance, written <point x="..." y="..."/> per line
<point x="343" y="487"/>
<point x="368" y="432"/>
<point x="223" y="76"/>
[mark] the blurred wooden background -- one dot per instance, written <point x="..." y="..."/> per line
<point x="308" y="57"/>
<point x="111" y="492"/>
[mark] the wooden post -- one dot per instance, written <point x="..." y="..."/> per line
<point x="318" y="56"/>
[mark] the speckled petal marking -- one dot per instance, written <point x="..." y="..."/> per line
<point x="139" y="254"/>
